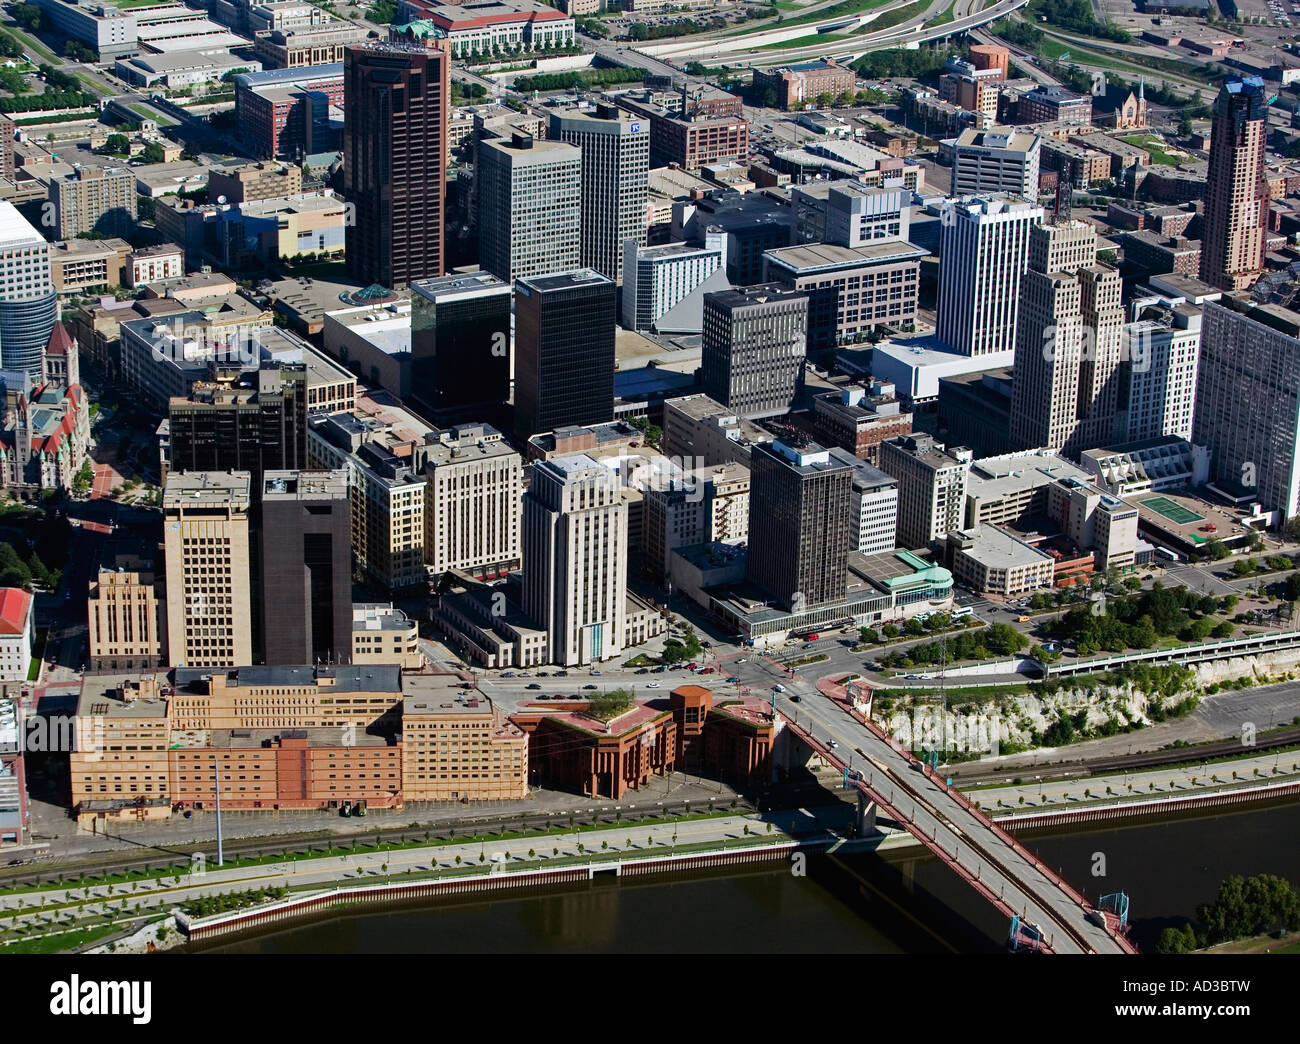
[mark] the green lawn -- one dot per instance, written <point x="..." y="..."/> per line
<point x="61" y="941"/>
<point x="804" y="41"/>
<point x="1158" y="149"/>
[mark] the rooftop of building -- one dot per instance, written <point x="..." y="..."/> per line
<point x="15" y="610"/>
<point x="253" y="739"/>
<point x="993" y="477"/>
<point x="1015" y="139"/>
<point x="561" y="281"/>
<point x="186" y="488"/>
<point x="458" y="284"/>
<point x="138" y="694"/>
<point x="815" y="257"/>
<point x="379" y="616"/>
<point x="382" y="678"/>
<point x="996" y="548"/>
<point x="304" y="485"/>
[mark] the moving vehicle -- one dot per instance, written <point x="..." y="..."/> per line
<point x="778" y="688"/>
<point x="796" y="699"/>
<point x="814" y="637"/>
<point x="965" y="610"/>
<point x="1022" y="619"/>
<point x="533" y="685"/>
<point x="591" y="686"/>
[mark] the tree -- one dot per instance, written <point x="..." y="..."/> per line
<point x="1214" y="550"/>
<point x="153" y="153"/>
<point x="1185" y="128"/>
<point x="84" y="477"/>
<point x="79" y="52"/>
<point x="868" y="635"/>
<point x="674" y="652"/>
<point x="692" y="642"/>
<point x="117" y="145"/>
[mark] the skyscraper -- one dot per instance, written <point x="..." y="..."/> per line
<point x="460" y="345"/>
<point x="206" y="546"/>
<point x="575" y="558"/>
<point x="306" y="567"/>
<point x="1236" y="194"/>
<point x="1158" y="376"/>
<point x="256" y="426"/>
<point x="564" y="351"/>
<point x="983" y="252"/>
<point x="801" y="523"/>
<point x="1069" y="343"/>
<point x="615" y="182"/>
<point x="396" y="97"/>
<point x="529" y="207"/>
<point x="931" y="487"/>
<point x="753" y="348"/>
<point x="29" y="305"/>
<point x="1246" y="407"/>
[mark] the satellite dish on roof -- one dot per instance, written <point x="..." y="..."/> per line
<point x="221" y="199"/>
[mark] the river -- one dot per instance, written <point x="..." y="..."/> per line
<point x="899" y="902"/>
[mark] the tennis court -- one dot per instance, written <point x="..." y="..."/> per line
<point x="1176" y="513"/>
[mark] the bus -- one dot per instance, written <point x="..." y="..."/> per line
<point x="965" y="610"/>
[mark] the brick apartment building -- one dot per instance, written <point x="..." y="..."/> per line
<point x="803" y="83"/>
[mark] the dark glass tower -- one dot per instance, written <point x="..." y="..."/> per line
<point x="460" y="346"/>
<point x="394" y="153"/>
<point x="564" y="351"/>
<point x="305" y="567"/>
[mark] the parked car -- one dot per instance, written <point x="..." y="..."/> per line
<point x="643" y="670"/>
<point x="709" y="670"/>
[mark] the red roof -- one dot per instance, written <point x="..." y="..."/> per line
<point x="60" y="341"/>
<point x="15" y="608"/>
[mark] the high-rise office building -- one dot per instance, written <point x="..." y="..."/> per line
<point x="305" y="567"/>
<point x="1069" y="343"/>
<point x="529" y="207"/>
<point x="396" y="97"/>
<point x="564" y="351"/>
<point x="1001" y="159"/>
<point x="801" y="524"/>
<point x="1236" y="194"/>
<point x="615" y="181"/>
<point x="664" y="286"/>
<point x="471" y="502"/>
<point x="460" y="345"/>
<point x="575" y="558"/>
<point x="931" y="487"/>
<point x="29" y="304"/>
<point x="1246" y="410"/>
<point x="257" y="425"/>
<point x="206" y="546"/>
<point x="753" y="348"/>
<point x="983" y="253"/>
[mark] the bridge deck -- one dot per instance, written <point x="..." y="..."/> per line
<point x="943" y="820"/>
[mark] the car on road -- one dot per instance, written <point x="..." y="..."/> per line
<point x="732" y="680"/>
<point x="595" y="674"/>
<point x="796" y="699"/>
<point x="591" y="686"/>
<point x="709" y="670"/>
<point x="743" y="659"/>
<point x="561" y="674"/>
<point x="814" y="637"/>
<point x="534" y="685"/>
<point x="834" y="745"/>
<point x="508" y="674"/>
<point x="660" y="669"/>
<point x="778" y="688"/>
<point x="691" y="666"/>
<point x="643" y="670"/>
<point x="652" y="685"/>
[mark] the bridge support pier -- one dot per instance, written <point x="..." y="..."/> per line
<point x="865" y="820"/>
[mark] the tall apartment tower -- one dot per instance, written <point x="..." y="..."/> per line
<point x="983" y="253"/>
<point x="1246" y="409"/>
<point x="94" y="199"/>
<point x="396" y="97"/>
<point x="29" y="304"/>
<point x="256" y="428"/>
<point x="206" y="545"/>
<point x="1236" y="194"/>
<point x="575" y="558"/>
<point x="1158" y="377"/>
<point x="460" y="345"/>
<point x="753" y="348"/>
<point x="306" y="567"/>
<point x="1069" y="344"/>
<point x="931" y="487"/>
<point x="529" y="207"/>
<point x="564" y="351"/>
<point x="801" y="526"/>
<point x="615" y="182"/>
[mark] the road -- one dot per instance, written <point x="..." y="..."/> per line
<point x="931" y="810"/>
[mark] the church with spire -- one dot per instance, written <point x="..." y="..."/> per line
<point x="45" y="437"/>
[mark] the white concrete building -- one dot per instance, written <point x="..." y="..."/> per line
<point x="1158" y="375"/>
<point x="575" y="559"/>
<point x="664" y="286"/>
<point x="17" y="630"/>
<point x="875" y="509"/>
<point x="983" y="254"/>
